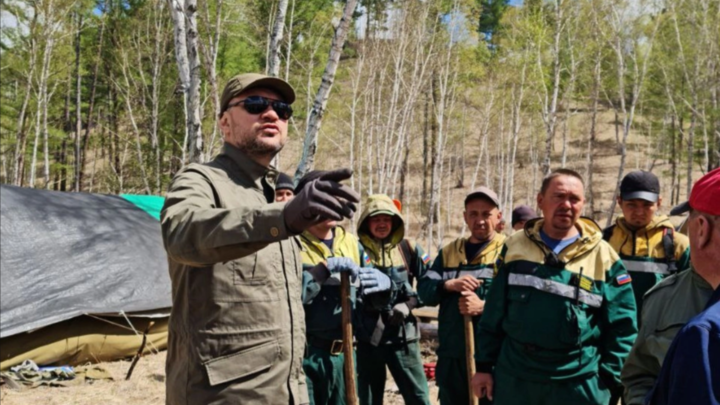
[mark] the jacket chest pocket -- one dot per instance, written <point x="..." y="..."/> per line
<point x="249" y="279"/>
<point x="518" y="310"/>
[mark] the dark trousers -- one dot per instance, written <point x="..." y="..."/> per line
<point x="405" y="366"/>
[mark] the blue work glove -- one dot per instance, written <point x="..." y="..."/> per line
<point x="341" y="264"/>
<point x="373" y="280"/>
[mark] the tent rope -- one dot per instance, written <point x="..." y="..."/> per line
<point x="153" y="348"/>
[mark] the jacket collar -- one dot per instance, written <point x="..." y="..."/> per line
<point x="247" y="168"/>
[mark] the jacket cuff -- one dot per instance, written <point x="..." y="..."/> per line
<point x="320" y="273"/>
<point x="483" y="367"/>
<point x="441" y="289"/>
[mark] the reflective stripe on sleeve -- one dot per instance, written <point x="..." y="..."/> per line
<point x="646" y="267"/>
<point x="433" y="275"/>
<point x="480" y="273"/>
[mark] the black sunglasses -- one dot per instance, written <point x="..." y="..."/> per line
<point x="257" y="104"/>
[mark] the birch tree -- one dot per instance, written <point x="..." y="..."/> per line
<point x="318" y="110"/>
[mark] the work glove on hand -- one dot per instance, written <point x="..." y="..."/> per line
<point x="342" y="264"/>
<point x="321" y="199"/>
<point x="399" y="313"/>
<point x="373" y="280"/>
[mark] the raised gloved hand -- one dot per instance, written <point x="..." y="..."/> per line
<point x="342" y="264"/>
<point x="321" y="199"/>
<point x="399" y="313"/>
<point x="373" y="280"/>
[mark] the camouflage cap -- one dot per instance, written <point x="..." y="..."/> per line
<point x="247" y="81"/>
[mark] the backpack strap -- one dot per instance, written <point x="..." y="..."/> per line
<point x="607" y="233"/>
<point x="409" y="257"/>
<point x="668" y="242"/>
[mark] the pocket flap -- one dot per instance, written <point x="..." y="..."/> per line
<point x="233" y="366"/>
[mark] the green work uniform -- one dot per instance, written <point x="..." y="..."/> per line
<point x="643" y="253"/>
<point x="324" y="359"/>
<point x="554" y="322"/>
<point x="236" y="332"/>
<point x="392" y="343"/>
<point x="452" y="263"/>
<point x="668" y="306"/>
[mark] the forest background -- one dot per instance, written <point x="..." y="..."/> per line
<point x="425" y="100"/>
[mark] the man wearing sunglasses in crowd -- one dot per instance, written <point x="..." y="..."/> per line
<point x="236" y="332"/>
<point x="560" y="315"/>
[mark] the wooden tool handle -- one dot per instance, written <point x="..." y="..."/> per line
<point x="350" y="388"/>
<point x="470" y="356"/>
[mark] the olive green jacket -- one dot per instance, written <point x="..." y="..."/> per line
<point x="237" y="331"/>
<point x="668" y="306"/>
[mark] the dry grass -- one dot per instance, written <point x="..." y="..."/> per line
<point x="146" y="387"/>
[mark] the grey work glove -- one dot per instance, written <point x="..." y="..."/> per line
<point x="399" y="313"/>
<point x="321" y="199"/>
<point x="342" y="264"/>
<point x="373" y="280"/>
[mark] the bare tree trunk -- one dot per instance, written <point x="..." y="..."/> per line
<point x="310" y="143"/>
<point x="691" y="144"/>
<point x="593" y="130"/>
<point x="46" y="140"/>
<point x="673" y="162"/>
<point x="210" y="51"/>
<point x="194" y="122"/>
<point x="181" y="56"/>
<point x="276" y="37"/>
<point x="550" y="111"/>
<point x="42" y="93"/>
<point x="289" y="41"/>
<point x="91" y="106"/>
<point x="78" y="110"/>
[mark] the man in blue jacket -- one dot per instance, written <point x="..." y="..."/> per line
<point x="691" y="371"/>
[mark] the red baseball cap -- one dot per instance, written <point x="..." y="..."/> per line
<point x="705" y="196"/>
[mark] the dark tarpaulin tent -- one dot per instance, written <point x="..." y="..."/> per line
<point x="82" y="276"/>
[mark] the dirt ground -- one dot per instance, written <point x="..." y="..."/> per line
<point x="145" y="387"/>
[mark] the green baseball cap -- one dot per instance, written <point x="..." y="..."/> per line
<point x="247" y="81"/>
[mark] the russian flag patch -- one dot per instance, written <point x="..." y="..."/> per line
<point x="425" y="258"/>
<point x="623" y="279"/>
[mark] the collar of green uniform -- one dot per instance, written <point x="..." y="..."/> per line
<point x="590" y="236"/>
<point x="248" y="167"/>
<point x="658" y="221"/>
<point x="494" y="244"/>
<point x="315" y="242"/>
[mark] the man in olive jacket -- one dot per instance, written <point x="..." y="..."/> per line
<point x="236" y="333"/>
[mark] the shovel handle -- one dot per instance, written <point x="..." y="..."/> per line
<point x="470" y="356"/>
<point x="349" y="366"/>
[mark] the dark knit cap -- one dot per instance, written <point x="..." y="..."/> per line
<point x="284" y="182"/>
<point x="522" y="213"/>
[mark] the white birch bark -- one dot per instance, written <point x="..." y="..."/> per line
<point x="194" y="116"/>
<point x="181" y="57"/>
<point x="273" y="68"/>
<point x="315" y="120"/>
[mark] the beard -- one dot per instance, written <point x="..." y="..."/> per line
<point x="254" y="144"/>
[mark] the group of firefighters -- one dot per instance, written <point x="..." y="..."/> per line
<point x="555" y="306"/>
